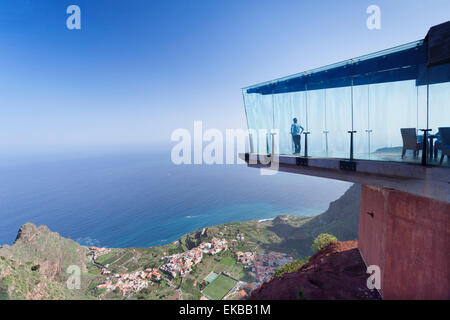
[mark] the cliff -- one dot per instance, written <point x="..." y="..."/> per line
<point x="334" y="273"/>
<point x="340" y="219"/>
<point x="53" y="253"/>
<point x="34" y="267"/>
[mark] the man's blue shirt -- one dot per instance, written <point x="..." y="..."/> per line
<point x="295" y="129"/>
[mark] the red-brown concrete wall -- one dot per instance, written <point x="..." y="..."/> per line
<point x="408" y="237"/>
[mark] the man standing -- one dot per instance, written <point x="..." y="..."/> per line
<point x="296" y="135"/>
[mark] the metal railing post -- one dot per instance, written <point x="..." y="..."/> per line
<point x="351" y="143"/>
<point x="425" y="146"/>
<point x="326" y="140"/>
<point x="368" y="140"/>
<point x="306" y="142"/>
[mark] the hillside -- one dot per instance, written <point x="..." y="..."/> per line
<point x="53" y="253"/>
<point x="340" y="219"/>
<point x="34" y="267"/>
<point x="337" y="272"/>
<point x="25" y="281"/>
<point x="291" y="234"/>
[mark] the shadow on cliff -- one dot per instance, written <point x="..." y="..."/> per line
<point x="341" y="219"/>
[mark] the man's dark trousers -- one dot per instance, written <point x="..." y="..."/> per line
<point x="297" y="143"/>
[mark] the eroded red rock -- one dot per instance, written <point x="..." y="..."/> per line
<point x="336" y="272"/>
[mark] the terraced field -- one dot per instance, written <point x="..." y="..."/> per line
<point x="217" y="289"/>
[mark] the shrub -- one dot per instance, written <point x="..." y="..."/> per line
<point x="322" y="241"/>
<point x="202" y="285"/>
<point x="35" y="267"/>
<point x="300" y="295"/>
<point x="290" y="267"/>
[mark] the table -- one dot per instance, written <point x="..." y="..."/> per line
<point x="432" y="150"/>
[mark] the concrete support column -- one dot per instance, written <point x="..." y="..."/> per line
<point x="408" y="237"/>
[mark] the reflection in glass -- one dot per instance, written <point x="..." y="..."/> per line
<point x="385" y="98"/>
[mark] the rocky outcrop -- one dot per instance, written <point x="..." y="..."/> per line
<point x="341" y="219"/>
<point x="47" y="250"/>
<point x="194" y="239"/>
<point x="281" y="219"/>
<point x="336" y="272"/>
<point x="24" y="281"/>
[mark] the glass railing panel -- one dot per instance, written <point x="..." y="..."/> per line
<point x="439" y="115"/>
<point x="388" y="109"/>
<point x="318" y="144"/>
<point x="259" y="112"/>
<point x="339" y="121"/>
<point x="361" y="122"/>
<point x="381" y="112"/>
<point x="422" y="113"/>
<point x="287" y="107"/>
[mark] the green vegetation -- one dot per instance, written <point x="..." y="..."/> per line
<point x="3" y="291"/>
<point x="40" y="244"/>
<point x="35" y="265"/>
<point x="322" y="241"/>
<point x="300" y="295"/>
<point x="20" y="282"/>
<point x="109" y="257"/>
<point x="290" y="267"/>
<point x="217" y="289"/>
<point x="228" y="261"/>
<point x="191" y="291"/>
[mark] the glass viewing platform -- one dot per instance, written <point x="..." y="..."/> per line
<point x="392" y="105"/>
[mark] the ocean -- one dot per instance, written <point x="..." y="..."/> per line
<point x="140" y="199"/>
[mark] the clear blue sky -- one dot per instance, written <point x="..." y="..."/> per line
<point x="139" y="69"/>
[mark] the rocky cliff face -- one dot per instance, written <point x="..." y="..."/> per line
<point x="340" y="219"/>
<point x="46" y="249"/>
<point x="194" y="239"/>
<point x="34" y="267"/>
<point x="336" y="272"/>
<point x="25" y="281"/>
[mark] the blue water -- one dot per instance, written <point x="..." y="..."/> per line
<point x="141" y="199"/>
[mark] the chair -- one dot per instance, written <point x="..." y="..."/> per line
<point x="410" y="141"/>
<point x="444" y="132"/>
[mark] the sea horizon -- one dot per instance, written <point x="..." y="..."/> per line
<point x="140" y="198"/>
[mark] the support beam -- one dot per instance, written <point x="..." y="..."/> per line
<point x="431" y="181"/>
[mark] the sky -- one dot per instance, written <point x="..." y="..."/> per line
<point x="139" y="69"/>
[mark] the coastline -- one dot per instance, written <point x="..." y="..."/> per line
<point x="264" y="220"/>
<point x="132" y="200"/>
<point x="240" y="252"/>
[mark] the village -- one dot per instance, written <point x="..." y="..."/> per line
<point x="182" y="263"/>
<point x="129" y="283"/>
<point x="263" y="265"/>
<point x="174" y="265"/>
<point x="96" y="252"/>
